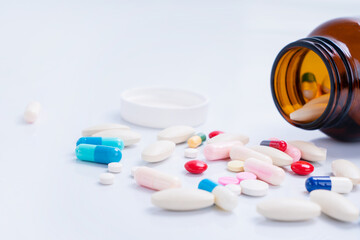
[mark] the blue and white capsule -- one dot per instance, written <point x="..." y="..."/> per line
<point x="335" y="184"/>
<point x="98" y="153"/>
<point x="106" y="141"/>
<point x="224" y="198"/>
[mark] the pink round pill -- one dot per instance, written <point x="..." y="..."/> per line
<point x="245" y="176"/>
<point x="228" y="180"/>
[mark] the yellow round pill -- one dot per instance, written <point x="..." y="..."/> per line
<point x="194" y="141"/>
<point x="235" y="166"/>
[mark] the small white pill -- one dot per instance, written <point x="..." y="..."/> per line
<point x="235" y="188"/>
<point x="191" y="152"/>
<point x="114" y="167"/>
<point x="255" y="188"/>
<point x="106" y="178"/>
<point x="32" y="111"/>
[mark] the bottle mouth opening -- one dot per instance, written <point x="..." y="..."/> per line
<point x="302" y="84"/>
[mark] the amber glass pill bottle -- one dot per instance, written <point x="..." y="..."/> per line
<point x="315" y="81"/>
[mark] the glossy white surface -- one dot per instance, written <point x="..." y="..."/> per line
<point x="176" y="134"/>
<point x="76" y="57"/>
<point x="158" y="151"/>
<point x="278" y="157"/>
<point x="345" y="168"/>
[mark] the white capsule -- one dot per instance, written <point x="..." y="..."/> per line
<point x="181" y="199"/>
<point x="336" y="184"/>
<point x="32" y="112"/>
<point x="310" y="151"/>
<point x="128" y="136"/>
<point x="235" y="188"/>
<point x="345" y="168"/>
<point x="239" y="152"/>
<point x="309" y="113"/>
<point x="87" y="132"/>
<point x="176" y="134"/>
<point x="254" y="188"/>
<point x="158" y="151"/>
<point x="154" y="179"/>
<point x="106" y="178"/>
<point x="224" y="198"/>
<point x="265" y="171"/>
<point x="191" y="153"/>
<point x="278" y="157"/>
<point x="335" y="205"/>
<point x="114" y="167"/>
<point x="227" y="137"/>
<point x="287" y="209"/>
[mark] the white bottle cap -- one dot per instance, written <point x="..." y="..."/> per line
<point x="162" y="107"/>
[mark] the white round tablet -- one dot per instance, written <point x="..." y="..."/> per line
<point x="235" y="188"/>
<point x="114" y="167"/>
<point x="255" y="188"/>
<point x="191" y="153"/>
<point x="107" y="178"/>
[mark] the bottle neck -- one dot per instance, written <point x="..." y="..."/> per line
<point x="339" y="72"/>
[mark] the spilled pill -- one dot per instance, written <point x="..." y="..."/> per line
<point x="239" y="152"/>
<point x="32" y="112"/>
<point x="114" y="167"/>
<point x="129" y="137"/>
<point x="235" y="166"/>
<point x="235" y="188"/>
<point x="158" y="151"/>
<point x="278" y="144"/>
<point x="87" y="132"/>
<point x="302" y="168"/>
<point x="224" y="198"/>
<point x="196" y="166"/>
<point x="98" y="153"/>
<point x="335" y="184"/>
<point x="197" y="140"/>
<point x="254" y="188"/>
<point x="154" y="179"/>
<point x="265" y="171"/>
<point x="309" y="151"/>
<point x="182" y="199"/>
<point x="106" y="141"/>
<point x="245" y="176"/>
<point x="335" y="205"/>
<point x="106" y="178"/>
<point x="279" y="158"/>
<point x="228" y="180"/>
<point x="345" y="168"/>
<point x="220" y="150"/>
<point x="191" y="153"/>
<point x="176" y="134"/>
<point x="288" y="209"/>
<point x="214" y="133"/>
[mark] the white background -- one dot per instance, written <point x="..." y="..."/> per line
<point x="76" y="57"/>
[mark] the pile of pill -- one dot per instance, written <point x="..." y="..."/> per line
<point x="255" y="168"/>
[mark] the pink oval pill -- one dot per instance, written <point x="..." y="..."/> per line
<point x="245" y="176"/>
<point x="228" y="180"/>
<point x="292" y="151"/>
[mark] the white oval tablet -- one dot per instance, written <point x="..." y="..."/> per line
<point x="308" y="113"/>
<point x="227" y="137"/>
<point x="239" y="152"/>
<point x="287" y="209"/>
<point x="335" y="205"/>
<point x="87" y="132"/>
<point x="310" y="151"/>
<point x="345" y="168"/>
<point x="114" y="167"/>
<point x="128" y="136"/>
<point x="255" y="188"/>
<point x="181" y="199"/>
<point x="32" y="112"/>
<point x="158" y="151"/>
<point x="235" y="188"/>
<point x="176" y="134"/>
<point x="278" y="157"/>
<point x="191" y="152"/>
<point x="106" y="178"/>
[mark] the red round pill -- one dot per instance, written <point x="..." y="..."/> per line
<point x="302" y="167"/>
<point x="195" y="166"/>
<point x="214" y="133"/>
